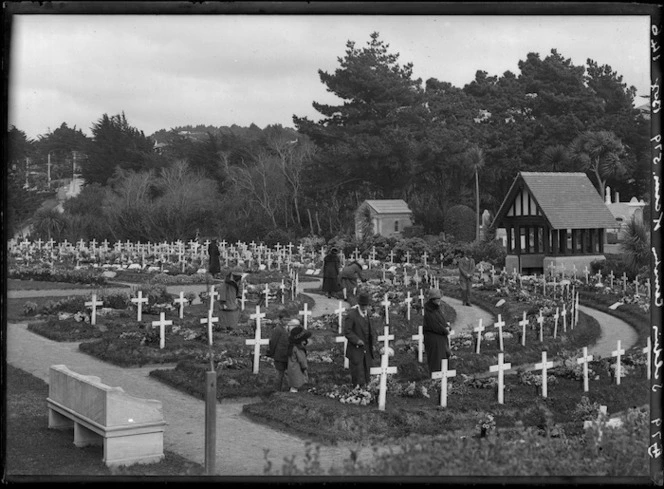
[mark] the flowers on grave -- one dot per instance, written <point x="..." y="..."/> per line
<point x="585" y="410"/>
<point x="319" y="357"/>
<point x="625" y="370"/>
<point x="345" y="394"/>
<point x="570" y="369"/>
<point x="390" y="351"/>
<point x="190" y="296"/>
<point x="48" y="274"/>
<point x="463" y="339"/>
<point x="531" y="378"/>
<point x="81" y="317"/>
<point x="481" y="383"/>
<point x="30" y="308"/>
<point x="485" y="425"/>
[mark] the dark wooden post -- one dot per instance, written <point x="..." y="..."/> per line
<point x="210" y="421"/>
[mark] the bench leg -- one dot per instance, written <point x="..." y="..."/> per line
<point x="84" y="437"/>
<point x="145" y="448"/>
<point x="58" y="421"/>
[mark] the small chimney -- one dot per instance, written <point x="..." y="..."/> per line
<point x="607" y="195"/>
<point x="617" y="198"/>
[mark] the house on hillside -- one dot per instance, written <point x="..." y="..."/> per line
<point x="553" y="218"/>
<point x="388" y="217"/>
<point x="622" y="212"/>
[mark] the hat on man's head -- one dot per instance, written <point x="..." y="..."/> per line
<point x="435" y="294"/>
<point x="293" y="323"/>
<point x="334" y="250"/>
<point x="298" y="333"/>
<point x="363" y="299"/>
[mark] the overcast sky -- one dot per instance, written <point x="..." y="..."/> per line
<point x="171" y="71"/>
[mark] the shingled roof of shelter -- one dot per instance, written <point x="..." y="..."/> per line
<point x="389" y="206"/>
<point x="567" y="200"/>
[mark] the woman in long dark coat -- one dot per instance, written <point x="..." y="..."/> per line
<point x="331" y="266"/>
<point x="214" y="267"/>
<point x="436" y="332"/>
<point x="229" y="293"/>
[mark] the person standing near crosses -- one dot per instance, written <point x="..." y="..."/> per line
<point x="466" y="272"/>
<point x="277" y="349"/>
<point x="361" y="340"/>
<point x="297" y="370"/>
<point x="214" y="266"/>
<point x="331" y="267"/>
<point x="350" y="274"/>
<point x="436" y="331"/>
<point x="229" y="293"/>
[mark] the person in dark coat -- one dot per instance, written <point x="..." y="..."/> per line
<point x="436" y="331"/>
<point x="466" y="273"/>
<point x="229" y="293"/>
<point x="350" y="274"/>
<point x="331" y="267"/>
<point x="214" y="266"/>
<point x="277" y="349"/>
<point x="298" y="368"/>
<point x="361" y="340"/>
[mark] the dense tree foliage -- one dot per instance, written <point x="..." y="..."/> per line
<point x="448" y="151"/>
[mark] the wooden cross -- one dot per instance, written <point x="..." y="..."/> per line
<point x="500" y="368"/>
<point x="576" y="311"/>
<point x="50" y="243"/>
<point x="646" y="350"/>
<point x="94" y="304"/>
<point x="540" y="320"/>
<point x="385" y="338"/>
<point x="162" y="323"/>
<point x="424" y="258"/>
<point x="564" y="316"/>
<point x="408" y="257"/>
<point x="636" y="286"/>
<point x="300" y="249"/>
<point x="611" y="277"/>
<point x="500" y="325"/>
<point x="618" y="354"/>
<point x="243" y="297"/>
<point x="599" y="276"/>
<point x="356" y="254"/>
<point x="181" y="301"/>
<point x="543" y="284"/>
<point x="140" y="300"/>
<point x="586" y="272"/>
<point x="391" y="257"/>
<point x="552" y="268"/>
<point x="419" y="337"/>
<point x="213" y="294"/>
<point x="340" y="311"/>
<point x="278" y="247"/>
<point x="81" y="244"/>
<point x="257" y="341"/>
<point x="209" y="320"/>
<point x="523" y="323"/>
<point x="305" y="313"/>
<point x="479" y="330"/>
<point x="624" y="280"/>
<point x="544" y="365"/>
<point x="282" y="287"/>
<point x="584" y="360"/>
<point x="344" y="340"/>
<point x="443" y="374"/>
<point x="267" y="295"/>
<point x="223" y="244"/>
<point x="384" y="370"/>
<point x="406" y="280"/>
<point x="555" y="322"/>
<point x="409" y="299"/>
<point x="493" y="274"/>
<point x="421" y="297"/>
<point x="386" y="303"/>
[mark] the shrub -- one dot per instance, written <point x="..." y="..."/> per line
<point x="488" y="251"/>
<point x="586" y="410"/>
<point x="116" y="301"/>
<point x="460" y="222"/>
<point x="612" y="262"/>
<point x="415" y="246"/>
<point x="30" y="308"/>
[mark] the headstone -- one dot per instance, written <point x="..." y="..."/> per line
<point x="500" y="368"/>
<point x="443" y="374"/>
<point x="584" y="360"/>
<point x="544" y="365"/>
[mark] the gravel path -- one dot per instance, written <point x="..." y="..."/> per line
<point x="240" y="442"/>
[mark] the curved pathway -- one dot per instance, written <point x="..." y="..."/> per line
<point x="240" y="442"/>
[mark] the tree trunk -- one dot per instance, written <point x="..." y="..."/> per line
<point x="311" y="224"/>
<point x="320" y="232"/>
<point x="477" y="204"/>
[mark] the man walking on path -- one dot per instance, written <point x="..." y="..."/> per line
<point x="466" y="272"/>
<point x="277" y="349"/>
<point x="361" y="337"/>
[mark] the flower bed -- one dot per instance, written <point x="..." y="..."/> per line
<point x="46" y="273"/>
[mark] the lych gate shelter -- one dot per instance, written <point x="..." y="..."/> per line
<point x="388" y="217"/>
<point x="553" y="218"/>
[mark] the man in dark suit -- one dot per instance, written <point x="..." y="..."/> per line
<point x="361" y="339"/>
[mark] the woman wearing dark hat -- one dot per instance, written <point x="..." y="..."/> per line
<point x="229" y="293"/>
<point x="331" y="267"/>
<point x="297" y="358"/>
<point x="360" y="334"/>
<point x="214" y="266"/>
<point x="436" y="332"/>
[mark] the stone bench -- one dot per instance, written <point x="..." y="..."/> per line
<point x="130" y="429"/>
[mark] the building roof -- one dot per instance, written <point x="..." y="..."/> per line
<point x="389" y="206"/>
<point x="567" y="200"/>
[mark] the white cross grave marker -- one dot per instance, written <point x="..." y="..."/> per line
<point x="386" y="303"/>
<point x="344" y="340"/>
<point x="340" y="312"/>
<point x="500" y="325"/>
<point x="419" y="337"/>
<point x="305" y="313"/>
<point x="479" y="330"/>
<point x="584" y="360"/>
<point x="618" y="354"/>
<point x="409" y="299"/>
<point x="209" y="320"/>
<point x="266" y="291"/>
<point x="443" y="374"/>
<point x="162" y="323"/>
<point x="544" y="365"/>
<point x="500" y="368"/>
<point x="540" y="320"/>
<point x="140" y="300"/>
<point x="257" y="341"/>
<point x="94" y="304"/>
<point x="563" y="314"/>
<point x="555" y="322"/>
<point x="523" y="323"/>
<point x="181" y="300"/>
<point x="384" y="370"/>
<point x="213" y="294"/>
<point x="421" y="297"/>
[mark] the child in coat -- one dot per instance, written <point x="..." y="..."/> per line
<point x="297" y="358"/>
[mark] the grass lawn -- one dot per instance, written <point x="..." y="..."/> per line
<point x="37" y="451"/>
